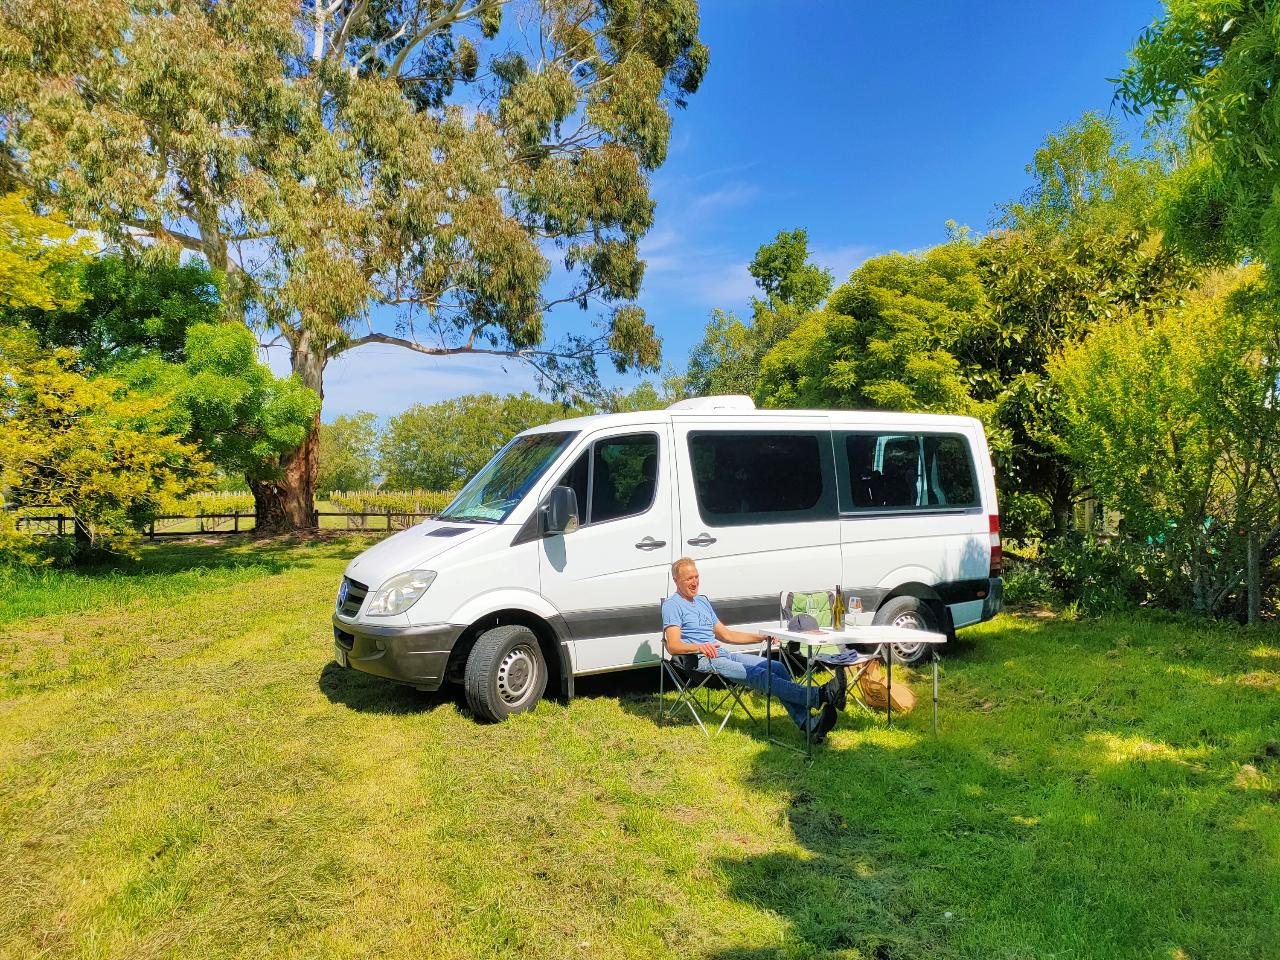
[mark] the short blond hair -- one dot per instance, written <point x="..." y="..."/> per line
<point x="679" y="564"/>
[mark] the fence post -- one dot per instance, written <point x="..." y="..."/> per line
<point x="152" y="534"/>
<point x="235" y="521"/>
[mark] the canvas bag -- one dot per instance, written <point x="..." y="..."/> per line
<point x="875" y="690"/>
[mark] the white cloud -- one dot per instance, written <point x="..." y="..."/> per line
<point x="727" y="286"/>
<point x="386" y="380"/>
<point x="686" y="259"/>
<point x="842" y="261"/>
<point x="728" y="197"/>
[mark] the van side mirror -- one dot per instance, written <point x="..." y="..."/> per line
<point x="560" y="511"/>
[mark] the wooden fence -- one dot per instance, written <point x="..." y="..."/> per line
<point x="230" y="523"/>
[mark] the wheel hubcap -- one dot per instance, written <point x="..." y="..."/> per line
<point x="515" y="674"/>
<point x="908" y="621"/>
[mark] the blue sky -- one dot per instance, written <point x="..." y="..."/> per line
<point x="870" y="124"/>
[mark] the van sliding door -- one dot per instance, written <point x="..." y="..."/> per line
<point x="758" y="511"/>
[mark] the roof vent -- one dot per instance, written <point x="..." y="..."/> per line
<point x="707" y="404"/>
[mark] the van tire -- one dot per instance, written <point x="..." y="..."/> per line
<point x="505" y="673"/>
<point x="913" y="614"/>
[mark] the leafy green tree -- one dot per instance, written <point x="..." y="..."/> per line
<point x="1174" y="420"/>
<point x="330" y="158"/>
<point x="644" y="396"/>
<point x="1212" y="65"/>
<point x="783" y="271"/>
<point x="246" y="419"/>
<point x="1044" y="293"/>
<point x="1078" y="248"/>
<point x="91" y="445"/>
<point x="442" y="445"/>
<point x="154" y="324"/>
<point x="1085" y="178"/>
<point x="39" y="257"/>
<point x="348" y="453"/>
<point x="968" y="327"/>
<point x="728" y="358"/>
<point x="132" y="304"/>
<point x="887" y="339"/>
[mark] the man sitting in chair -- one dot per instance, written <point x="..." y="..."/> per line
<point x="690" y="625"/>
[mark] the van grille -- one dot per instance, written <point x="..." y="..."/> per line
<point x="353" y="599"/>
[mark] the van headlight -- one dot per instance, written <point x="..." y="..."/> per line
<point x="400" y="593"/>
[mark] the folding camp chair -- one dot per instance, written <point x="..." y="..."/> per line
<point x="847" y="657"/>
<point x="819" y="604"/>
<point x="681" y="669"/>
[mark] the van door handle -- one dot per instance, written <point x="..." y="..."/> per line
<point x="701" y="540"/>
<point x="648" y="543"/>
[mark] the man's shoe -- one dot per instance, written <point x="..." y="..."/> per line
<point x="836" y="690"/>
<point x="826" y="721"/>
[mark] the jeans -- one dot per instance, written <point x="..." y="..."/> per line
<point x="752" y="671"/>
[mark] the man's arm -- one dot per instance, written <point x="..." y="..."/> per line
<point x="726" y="635"/>
<point x="676" y="645"/>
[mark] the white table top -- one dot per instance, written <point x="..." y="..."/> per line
<point x="850" y="634"/>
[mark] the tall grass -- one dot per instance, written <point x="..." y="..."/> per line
<point x="197" y="778"/>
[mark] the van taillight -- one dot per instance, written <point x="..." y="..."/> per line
<point x="996" y="550"/>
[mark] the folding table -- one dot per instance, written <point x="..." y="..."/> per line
<point x="811" y="641"/>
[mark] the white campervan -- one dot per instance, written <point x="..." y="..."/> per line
<point x="552" y="562"/>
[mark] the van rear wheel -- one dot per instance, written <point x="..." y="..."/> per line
<point x="505" y="673"/>
<point x="913" y="614"/>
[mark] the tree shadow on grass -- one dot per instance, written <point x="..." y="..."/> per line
<point x="637" y="692"/>
<point x="368" y="694"/>
<point x="1096" y="817"/>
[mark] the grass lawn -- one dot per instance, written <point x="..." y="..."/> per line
<point x="184" y="773"/>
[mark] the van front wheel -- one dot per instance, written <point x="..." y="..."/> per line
<point x="913" y="614"/>
<point x="505" y="673"/>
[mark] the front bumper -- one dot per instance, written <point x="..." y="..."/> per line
<point x="416" y="656"/>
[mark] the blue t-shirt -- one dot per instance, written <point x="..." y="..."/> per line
<point x="695" y="618"/>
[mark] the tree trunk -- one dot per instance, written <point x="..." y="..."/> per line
<point x="1062" y="492"/>
<point x="287" y="503"/>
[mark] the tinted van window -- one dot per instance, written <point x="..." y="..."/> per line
<point x="749" y="478"/>
<point x="906" y="471"/>
<point x="615" y="478"/>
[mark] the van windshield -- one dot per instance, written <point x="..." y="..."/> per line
<point x="493" y="493"/>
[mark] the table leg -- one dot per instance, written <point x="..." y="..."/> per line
<point x="808" y="682"/>
<point x="768" y="694"/>
<point x="888" y="706"/>
<point x="935" y="693"/>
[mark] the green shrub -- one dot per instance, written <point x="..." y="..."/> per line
<point x="1027" y="584"/>
<point x="1106" y="575"/>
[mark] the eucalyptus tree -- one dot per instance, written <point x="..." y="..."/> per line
<point x="411" y="162"/>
